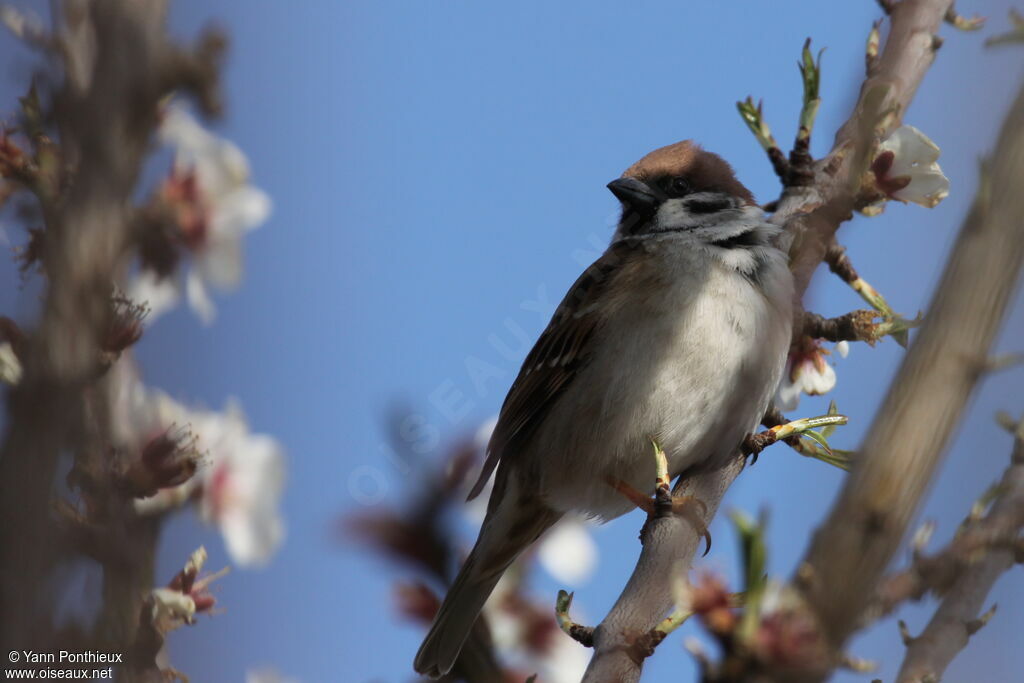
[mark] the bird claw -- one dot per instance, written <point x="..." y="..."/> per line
<point x="684" y="507"/>
<point x="662" y="505"/>
<point x="753" y="444"/>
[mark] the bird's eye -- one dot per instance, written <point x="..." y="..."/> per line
<point x="680" y="187"/>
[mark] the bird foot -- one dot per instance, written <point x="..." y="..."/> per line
<point x="753" y="444"/>
<point x="664" y="504"/>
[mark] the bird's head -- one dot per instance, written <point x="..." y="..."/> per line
<point x="686" y="191"/>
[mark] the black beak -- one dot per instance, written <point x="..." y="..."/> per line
<point x="636" y="195"/>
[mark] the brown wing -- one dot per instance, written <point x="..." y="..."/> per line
<point x="555" y="360"/>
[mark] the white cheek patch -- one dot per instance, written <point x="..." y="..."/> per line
<point x="743" y="260"/>
<point x="676" y="214"/>
<point x="672" y="215"/>
<point x="712" y="231"/>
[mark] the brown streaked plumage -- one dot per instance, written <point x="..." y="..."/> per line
<point x="560" y="352"/>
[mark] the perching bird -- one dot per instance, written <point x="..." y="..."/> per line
<point x="678" y="334"/>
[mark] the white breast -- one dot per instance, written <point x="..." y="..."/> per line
<point x="691" y="365"/>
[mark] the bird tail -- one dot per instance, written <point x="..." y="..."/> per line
<point x="497" y="547"/>
<point x="451" y="626"/>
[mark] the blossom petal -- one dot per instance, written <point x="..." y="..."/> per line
<point x="243" y="486"/>
<point x="787" y="397"/>
<point x="171" y="609"/>
<point x="160" y="294"/>
<point x="220" y="208"/>
<point x="252" y="536"/>
<point x="568" y="552"/>
<point x="241" y="209"/>
<point x="199" y="298"/>
<point x="10" y="366"/>
<point x="927" y="187"/>
<point x="566" y="662"/>
<point x="913" y="168"/>
<point x="221" y="166"/>
<point x="221" y="264"/>
<point x="179" y="129"/>
<point x="911" y="148"/>
<point x="817" y="382"/>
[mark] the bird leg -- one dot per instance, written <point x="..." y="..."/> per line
<point x="664" y="504"/>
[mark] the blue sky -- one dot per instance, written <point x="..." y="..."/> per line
<point x="436" y="169"/>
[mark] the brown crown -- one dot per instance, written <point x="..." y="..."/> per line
<point x="704" y="170"/>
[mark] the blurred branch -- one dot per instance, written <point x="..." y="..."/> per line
<point x="105" y="119"/>
<point x="1013" y="37"/>
<point x="112" y="63"/>
<point x="811" y="214"/>
<point x="957" y="618"/>
<point x="905" y="444"/>
<point x="416" y="536"/>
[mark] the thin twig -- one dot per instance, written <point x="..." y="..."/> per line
<point x="753" y="116"/>
<point x="957" y="617"/>
<point x="800" y="160"/>
<point x="857" y="325"/>
<point x="584" y="635"/>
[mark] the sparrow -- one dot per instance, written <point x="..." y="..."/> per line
<point x="677" y="334"/>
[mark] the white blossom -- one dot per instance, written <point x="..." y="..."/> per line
<point x="906" y="168"/>
<point x="209" y="189"/>
<point x="506" y="627"/>
<point x="137" y="411"/>
<point x="176" y="604"/>
<point x="551" y="654"/>
<point x="242" y="487"/>
<point x="565" y="662"/>
<point x="171" y="609"/>
<point x="568" y="552"/>
<point x="10" y="367"/>
<point x="807" y="372"/>
<point x="241" y="475"/>
<point x="159" y="294"/>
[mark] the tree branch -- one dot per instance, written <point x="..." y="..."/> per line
<point x="856" y="325"/>
<point x="957" y="617"/>
<point x="670" y="544"/>
<point x="105" y="112"/>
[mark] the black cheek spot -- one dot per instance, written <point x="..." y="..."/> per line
<point x="632" y="222"/>
<point x="712" y="205"/>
